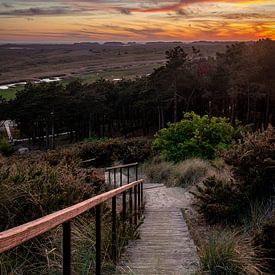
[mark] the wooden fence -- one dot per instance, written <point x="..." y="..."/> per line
<point x="15" y="236"/>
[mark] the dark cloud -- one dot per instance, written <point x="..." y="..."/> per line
<point x="239" y="16"/>
<point x="38" y="11"/>
<point x="124" y="11"/>
<point x="6" y="5"/>
<point x="181" y="12"/>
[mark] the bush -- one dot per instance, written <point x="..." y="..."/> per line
<point x="222" y="255"/>
<point x="31" y="188"/>
<point x="5" y="148"/>
<point x="159" y="171"/>
<point x="107" y="152"/>
<point x="194" y="136"/>
<point x="191" y="171"/>
<point x="253" y="164"/>
<point x="220" y="200"/>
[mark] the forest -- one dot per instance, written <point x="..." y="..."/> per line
<point x="238" y="84"/>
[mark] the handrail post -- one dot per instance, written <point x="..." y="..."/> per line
<point x="131" y="207"/>
<point x="98" y="239"/>
<point x="136" y="172"/>
<point x="124" y="207"/>
<point x="114" y="240"/>
<point x="66" y="248"/>
<point x="139" y="200"/>
<point x="120" y="177"/>
<point x="114" y="178"/>
<point x="142" y="194"/>
<point x="110" y="180"/>
<point x="135" y="204"/>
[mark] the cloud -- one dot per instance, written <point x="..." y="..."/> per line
<point x="181" y="12"/>
<point x="6" y="5"/>
<point x="38" y="11"/>
<point x="240" y="16"/>
<point x="124" y="11"/>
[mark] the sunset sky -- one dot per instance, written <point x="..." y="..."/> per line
<point x="143" y="20"/>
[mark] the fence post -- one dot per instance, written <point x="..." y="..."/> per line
<point x="135" y="204"/>
<point x="131" y="207"/>
<point x="98" y="238"/>
<point x="120" y="177"/>
<point x="114" y="178"/>
<point x="66" y="248"/>
<point x="114" y="240"/>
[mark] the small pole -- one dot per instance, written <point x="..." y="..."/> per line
<point x="114" y="241"/>
<point x="139" y="200"/>
<point x="66" y="248"/>
<point x="131" y="206"/>
<point x="120" y="176"/>
<point x="136" y="172"/>
<point x="98" y="239"/>
<point x="124" y="206"/>
<point x="114" y="178"/>
<point x="142" y="194"/>
<point x="110" y="180"/>
<point x="135" y="204"/>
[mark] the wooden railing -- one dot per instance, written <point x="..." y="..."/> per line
<point x="15" y="236"/>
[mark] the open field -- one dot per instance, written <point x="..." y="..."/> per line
<point x="88" y="61"/>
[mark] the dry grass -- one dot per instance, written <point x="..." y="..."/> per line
<point x="229" y="252"/>
<point x="159" y="171"/>
<point x="191" y="171"/>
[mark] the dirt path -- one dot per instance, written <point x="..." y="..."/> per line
<point x="165" y="245"/>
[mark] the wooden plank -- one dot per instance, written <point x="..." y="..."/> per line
<point x="17" y="235"/>
<point x="122" y="166"/>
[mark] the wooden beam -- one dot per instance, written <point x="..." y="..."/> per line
<point x="122" y="166"/>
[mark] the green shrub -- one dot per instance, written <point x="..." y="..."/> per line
<point x="6" y="149"/>
<point x="194" y="136"/>
<point x="220" y="200"/>
<point x="191" y="171"/>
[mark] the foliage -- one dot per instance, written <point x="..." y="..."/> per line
<point x="223" y="200"/>
<point x="38" y="184"/>
<point x="6" y="149"/>
<point x="219" y="200"/>
<point x="221" y="255"/>
<point x="32" y="188"/>
<point x="190" y="171"/>
<point x="253" y="163"/>
<point x="194" y="136"/>
<point x="107" y="152"/>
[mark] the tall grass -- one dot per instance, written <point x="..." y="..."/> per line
<point x="229" y="253"/>
<point x="191" y="171"/>
<point x="159" y="171"/>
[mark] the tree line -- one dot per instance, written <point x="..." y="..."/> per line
<point x="238" y="84"/>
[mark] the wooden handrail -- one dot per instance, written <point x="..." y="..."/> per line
<point x="122" y="166"/>
<point x="20" y="234"/>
